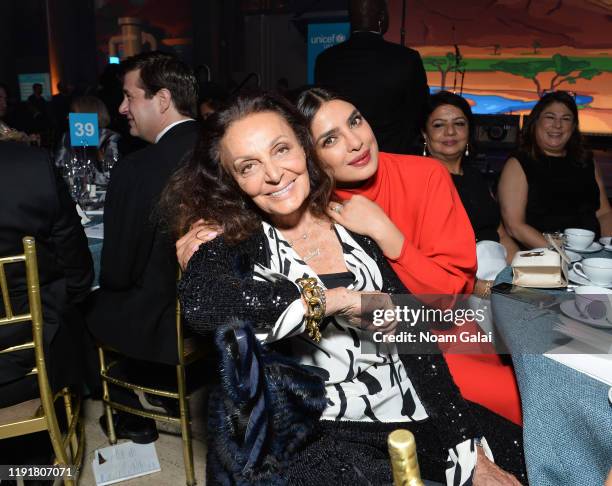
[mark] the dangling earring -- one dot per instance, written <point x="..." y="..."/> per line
<point x="467" y="150"/>
<point x="379" y="26"/>
<point x="425" y="149"/>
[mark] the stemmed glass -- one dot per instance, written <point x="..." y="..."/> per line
<point x="79" y="174"/>
<point x="109" y="159"/>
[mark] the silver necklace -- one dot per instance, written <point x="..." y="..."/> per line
<point x="313" y="253"/>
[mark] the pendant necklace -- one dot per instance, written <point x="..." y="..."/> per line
<point x="313" y="253"/>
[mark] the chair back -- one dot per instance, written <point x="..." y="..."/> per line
<point x="43" y="416"/>
<point x="33" y="317"/>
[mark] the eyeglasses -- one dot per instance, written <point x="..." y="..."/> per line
<point x="549" y="91"/>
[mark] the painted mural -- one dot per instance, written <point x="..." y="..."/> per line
<point x="504" y="54"/>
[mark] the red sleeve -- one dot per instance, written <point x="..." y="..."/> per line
<point x="441" y="257"/>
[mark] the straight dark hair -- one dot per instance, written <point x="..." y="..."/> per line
<point x="442" y="98"/>
<point x="310" y="100"/>
<point x="575" y="147"/>
<point x="203" y="189"/>
<point x="160" y="70"/>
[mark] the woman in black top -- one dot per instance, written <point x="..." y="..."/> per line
<point x="446" y="132"/>
<point x="552" y="182"/>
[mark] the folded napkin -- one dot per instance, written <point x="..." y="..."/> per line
<point x="576" y="356"/>
<point x="83" y="216"/>
<point x="491" y="257"/>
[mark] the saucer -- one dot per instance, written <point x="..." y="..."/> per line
<point x="594" y="247"/>
<point x="608" y="247"/>
<point x="575" y="257"/>
<point x="605" y="240"/>
<point x="579" y="279"/>
<point x="568" y="307"/>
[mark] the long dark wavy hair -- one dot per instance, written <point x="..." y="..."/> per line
<point x="575" y="147"/>
<point x="203" y="189"/>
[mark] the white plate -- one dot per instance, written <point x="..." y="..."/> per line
<point x="568" y="307"/>
<point x="608" y="247"/>
<point x="579" y="279"/>
<point x="594" y="247"/>
<point x="605" y="240"/>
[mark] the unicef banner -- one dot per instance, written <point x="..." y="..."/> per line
<point x="322" y="36"/>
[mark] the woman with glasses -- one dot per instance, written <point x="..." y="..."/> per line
<point x="552" y="182"/>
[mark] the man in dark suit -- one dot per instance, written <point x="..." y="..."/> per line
<point x="134" y="309"/>
<point x="385" y="81"/>
<point x="35" y="202"/>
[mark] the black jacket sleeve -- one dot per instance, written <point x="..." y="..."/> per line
<point x="218" y="287"/>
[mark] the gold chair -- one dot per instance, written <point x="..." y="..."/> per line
<point x="39" y="414"/>
<point x="188" y="353"/>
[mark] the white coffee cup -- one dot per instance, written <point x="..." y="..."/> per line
<point x="594" y="302"/>
<point x="597" y="270"/>
<point x="578" y="239"/>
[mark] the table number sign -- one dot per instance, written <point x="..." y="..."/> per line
<point x="83" y="129"/>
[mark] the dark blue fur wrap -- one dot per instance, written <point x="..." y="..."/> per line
<point x="266" y="408"/>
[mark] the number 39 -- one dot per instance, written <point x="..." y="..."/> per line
<point x="83" y="129"/>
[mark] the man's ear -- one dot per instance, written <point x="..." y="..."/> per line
<point x="164" y="98"/>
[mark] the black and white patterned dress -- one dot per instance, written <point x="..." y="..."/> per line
<point x="360" y="385"/>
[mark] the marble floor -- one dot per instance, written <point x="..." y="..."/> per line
<point x="168" y="446"/>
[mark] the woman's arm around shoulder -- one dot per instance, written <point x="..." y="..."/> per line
<point x="219" y="285"/>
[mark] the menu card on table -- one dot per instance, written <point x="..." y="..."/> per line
<point x="124" y="461"/>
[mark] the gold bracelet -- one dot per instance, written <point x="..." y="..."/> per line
<point x="487" y="290"/>
<point x="314" y="296"/>
<point x="482" y="288"/>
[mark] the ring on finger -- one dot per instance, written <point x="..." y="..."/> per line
<point x="337" y="208"/>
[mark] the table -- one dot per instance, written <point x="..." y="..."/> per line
<point x="567" y="416"/>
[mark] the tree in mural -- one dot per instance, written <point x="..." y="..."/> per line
<point x="444" y="65"/>
<point x="566" y="70"/>
<point x="536" y="44"/>
<point x="496" y="50"/>
<point x="526" y="69"/>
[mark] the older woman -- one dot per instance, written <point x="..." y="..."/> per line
<point x="256" y="176"/>
<point x="552" y="182"/>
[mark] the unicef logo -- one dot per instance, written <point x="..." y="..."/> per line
<point x="340" y="38"/>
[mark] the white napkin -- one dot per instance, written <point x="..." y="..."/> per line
<point x="491" y="257"/>
<point x="579" y="357"/>
<point x="81" y="213"/>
